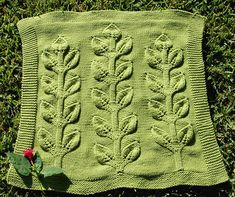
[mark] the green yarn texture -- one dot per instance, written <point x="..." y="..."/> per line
<point x="117" y="99"/>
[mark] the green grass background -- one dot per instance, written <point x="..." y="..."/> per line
<point x="219" y="58"/>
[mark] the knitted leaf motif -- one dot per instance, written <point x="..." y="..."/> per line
<point x="112" y="70"/>
<point x="48" y="85"/>
<point x="99" y="71"/>
<point x="129" y="124"/>
<point x="48" y="111"/>
<point x="72" y="85"/>
<point x="153" y="83"/>
<point x="71" y="141"/>
<point x="168" y="105"/>
<point x="131" y="152"/>
<point x="175" y="58"/>
<point x="59" y="59"/>
<point x="99" y="46"/>
<point x="157" y="107"/>
<point x="103" y="129"/>
<point x="181" y="107"/>
<point x="124" y="70"/>
<point x="60" y="44"/>
<point x="178" y="82"/>
<point x="71" y="112"/>
<point x="100" y="99"/>
<point x="112" y="31"/>
<point x="103" y="154"/>
<point x="71" y="59"/>
<point x="46" y="140"/>
<point x="124" y="46"/>
<point x="185" y="135"/>
<point x="153" y="58"/>
<point x="163" y="42"/>
<point x="49" y="60"/>
<point x="124" y="97"/>
<point x="162" y="138"/>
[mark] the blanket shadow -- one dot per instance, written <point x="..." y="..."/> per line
<point x="59" y="182"/>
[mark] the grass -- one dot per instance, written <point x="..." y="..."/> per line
<point x="219" y="58"/>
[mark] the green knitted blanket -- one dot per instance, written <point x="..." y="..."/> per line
<point x="116" y="99"/>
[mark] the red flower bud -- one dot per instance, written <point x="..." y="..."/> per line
<point x="28" y="154"/>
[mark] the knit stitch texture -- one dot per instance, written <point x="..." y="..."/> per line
<point x="117" y="99"/>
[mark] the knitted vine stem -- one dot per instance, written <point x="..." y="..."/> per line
<point x="58" y="107"/>
<point x="112" y="71"/>
<point x="169" y="104"/>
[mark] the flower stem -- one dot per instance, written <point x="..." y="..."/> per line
<point x="60" y="107"/>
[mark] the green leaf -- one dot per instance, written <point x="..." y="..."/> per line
<point x="60" y="44"/>
<point x="124" y="46"/>
<point x="52" y="171"/>
<point x="103" y="154"/>
<point x="45" y="140"/>
<point x="72" y="85"/>
<point x="99" y="46"/>
<point x="48" y="111"/>
<point x="72" y="111"/>
<point x="49" y="60"/>
<point x="124" y="70"/>
<point x="71" y="141"/>
<point x="175" y="58"/>
<point x="124" y="97"/>
<point x="153" y="58"/>
<point x="178" y="82"/>
<point x="186" y="134"/>
<point x="48" y="85"/>
<point x="132" y="151"/>
<point x="103" y="129"/>
<point x="100" y="99"/>
<point x="163" y="42"/>
<point x="156" y="107"/>
<point x="99" y="71"/>
<point x="181" y="107"/>
<point x="153" y="83"/>
<point x="20" y="163"/>
<point x="129" y="124"/>
<point x="71" y="59"/>
<point x="162" y="138"/>
<point x="38" y="162"/>
<point x="112" y="31"/>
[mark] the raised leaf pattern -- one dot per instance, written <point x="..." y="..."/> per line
<point x="181" y="107"/>
<point x="178" y="82"/>
<point x="124" y="46"/>
<point x="59" y="59"/>
<point x="162" y="138"/>
<point x="186" y="134"/>
<point x="72" y="111"/>
<point x="153" y="83"/>
<point x="48" y="85"/>
<point x="124" y="97"/>
<point x="99" y="46"/>
<point x="129" y="124"/>
<point x="124" y="70"/>
<point x="71" y="141"/>
<point x="45" y="139"/>
<point x="48" y="111"/>
<point x="169" y="103"/>
<point x="132" y="151"/>
<point x="111" y="70"/>
<point x="100" y="99"/>
<point x="103" y="154"/>
<point x="103" y="129"/>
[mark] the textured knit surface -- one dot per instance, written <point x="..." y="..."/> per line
<point x="117" y="99"/>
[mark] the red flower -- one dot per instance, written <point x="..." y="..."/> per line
<point x="28" y="154"/>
